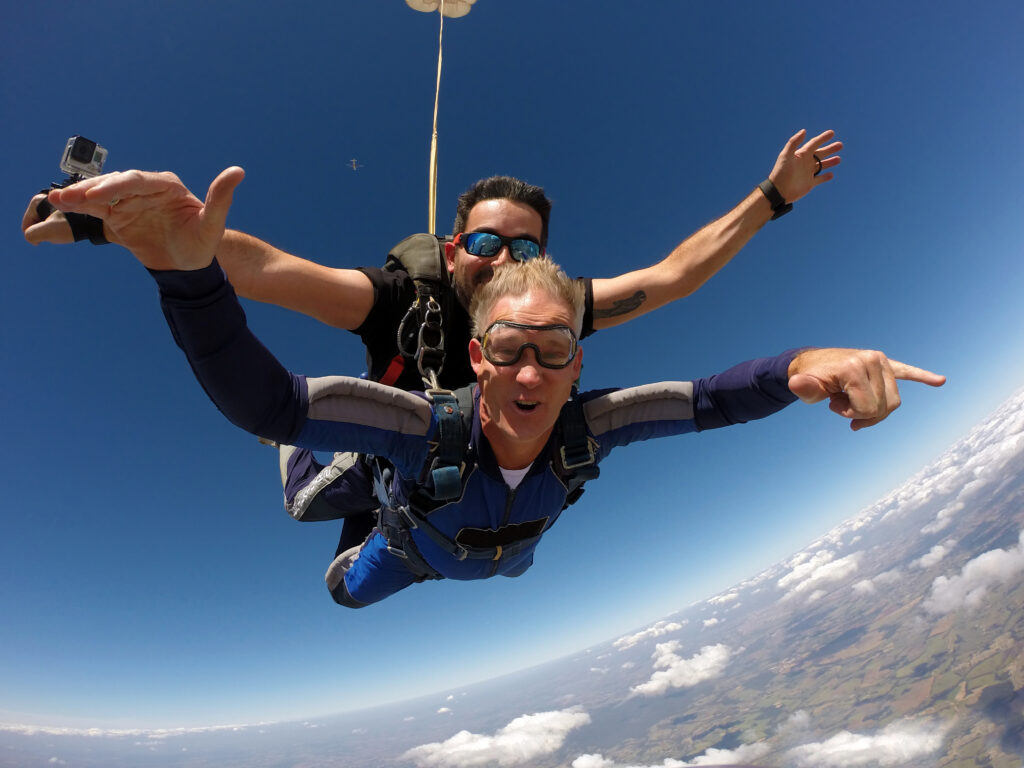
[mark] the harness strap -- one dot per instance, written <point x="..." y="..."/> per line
<point x="576" y="462"/>
<point x="441" y="480"/>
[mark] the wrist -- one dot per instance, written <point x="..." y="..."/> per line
<point x="775" y="199"/>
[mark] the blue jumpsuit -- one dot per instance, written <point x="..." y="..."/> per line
<point x="342" y="413"/>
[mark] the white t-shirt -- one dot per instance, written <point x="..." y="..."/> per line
<point x="513" y="477"/>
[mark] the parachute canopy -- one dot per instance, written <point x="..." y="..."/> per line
<point x="452" y="8"/>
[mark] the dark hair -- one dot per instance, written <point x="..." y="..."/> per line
<point x="504" y="188"/>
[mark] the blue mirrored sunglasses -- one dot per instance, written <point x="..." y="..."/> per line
<point x="488" y="244"/>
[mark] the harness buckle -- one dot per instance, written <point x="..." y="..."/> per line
<point x="580" y="458"/>
<point x="400" y="553"/>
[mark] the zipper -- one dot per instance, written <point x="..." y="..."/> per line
<point x="510" y="499"/>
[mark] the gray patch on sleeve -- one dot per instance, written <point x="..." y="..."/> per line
<point x="663" y="401"/>
<point x="367" y="403"/>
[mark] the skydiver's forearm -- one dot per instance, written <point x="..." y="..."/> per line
<point x="691" y="264"/>
<point x="249" y="264"/>
<point x="341" y="298"/>
<point x="242" y="378"/>
<point x="748" y="391"/>
<point x="706" y="251"/>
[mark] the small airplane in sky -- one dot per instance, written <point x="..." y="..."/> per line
<point x="354" y="164"/>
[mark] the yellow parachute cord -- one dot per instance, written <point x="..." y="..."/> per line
<point x="432" y="204"/>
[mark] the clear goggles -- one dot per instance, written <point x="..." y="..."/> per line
<point x="554" y="346"/>
<point x="488" y="245"/>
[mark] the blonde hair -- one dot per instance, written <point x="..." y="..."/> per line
<point x="517" y="279"/>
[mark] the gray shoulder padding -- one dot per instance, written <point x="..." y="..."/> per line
<point x="663" y="401"/>
<point x="367" y="403"/>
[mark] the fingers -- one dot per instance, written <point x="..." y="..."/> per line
<point x="815" y="144"/>
<point x="808" y="388"/>
<point x="913" y="373"/>
<point x="31" y="215"/>
<point x="94" y="196"/>
<point x="794" y="142"/>
<point x="54" y="230"/>
<point x="219" y="197"/>
<point x="861" y="385"/>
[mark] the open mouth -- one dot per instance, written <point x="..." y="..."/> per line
<point x="526" y="405"/>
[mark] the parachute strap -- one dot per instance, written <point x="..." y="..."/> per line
<point x="420" y="334"/>
<point x="445" y="462"/>
<point x="577" y="457"/>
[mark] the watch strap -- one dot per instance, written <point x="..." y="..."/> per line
<point x="775" y="199"/>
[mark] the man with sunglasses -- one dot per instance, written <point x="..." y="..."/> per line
<point x="525" y="354"/>
<point x="498" y="220"/>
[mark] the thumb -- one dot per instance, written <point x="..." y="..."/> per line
<point x="219" y="197"/>
<point x="808" y="388"/>
<point x="53" y="230"/>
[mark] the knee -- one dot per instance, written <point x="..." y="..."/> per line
<point x="335" y="578"/>
<point x="343" y="597"/>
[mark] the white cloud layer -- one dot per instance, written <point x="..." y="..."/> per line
<point x="815" y="573"/>
<point x="524" y="739"/>
<point x="728" y="597"/>
<point x="742" y="754"/>
<point x="968" y="588"/>
<point x="868" y="586"/>
<point x="894" y="745"/>
<point x="115" y="733"/>
<point x="655" y="630"/>
<point x="677" y="672"/>
<point x="934" y="556"/>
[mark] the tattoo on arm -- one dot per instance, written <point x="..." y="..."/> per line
<point x="622" y="306"/>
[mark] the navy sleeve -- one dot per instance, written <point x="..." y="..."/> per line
<point x="748" y="391"/>
<point x="242" y="378"/>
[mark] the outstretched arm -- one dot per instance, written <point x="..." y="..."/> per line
<point x="701" y="255"/>
<point x="160" y="203"/>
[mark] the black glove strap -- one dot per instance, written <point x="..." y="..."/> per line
<point x="85" y="226"/>
<point x="779" y="206"/>
<point x="82" y="224"/>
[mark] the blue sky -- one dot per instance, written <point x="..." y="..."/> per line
<point x="151" y="577"/>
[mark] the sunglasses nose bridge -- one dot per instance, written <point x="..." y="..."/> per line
<point x="503" y="255"/>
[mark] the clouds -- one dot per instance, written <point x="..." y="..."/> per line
<point x="885" y="578"/>
<point x="895" y="744"/>
<point x="524" y="739"/>
<point x="116" y="733"/>
<point x="968" y="588"/>
<point x="935" y="555"/>
<point x="813" y="572"/>
<point x="677" y="672"/>
<point x="655" y="630"/>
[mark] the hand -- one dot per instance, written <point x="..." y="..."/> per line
<point x="859" y="383"/>
<point x="154" y="215"/>
<point x="793" y="174"/>
<point x="53" y="229"/>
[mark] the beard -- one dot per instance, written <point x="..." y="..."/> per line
<point x="466" y="286"/>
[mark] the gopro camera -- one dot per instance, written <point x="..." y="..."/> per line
<point x="82" y="158"/>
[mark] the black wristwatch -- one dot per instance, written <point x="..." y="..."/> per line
<point x="779" y="206"/>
